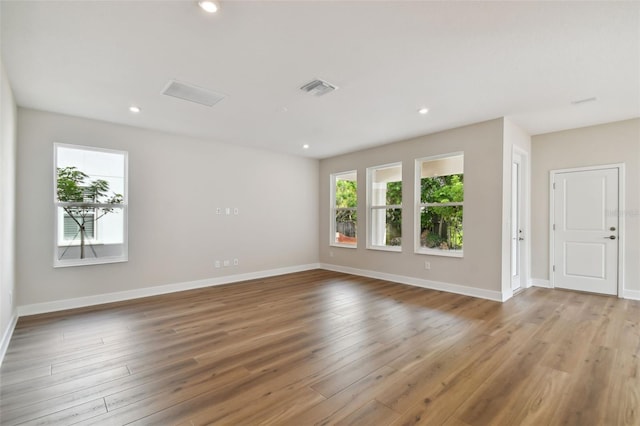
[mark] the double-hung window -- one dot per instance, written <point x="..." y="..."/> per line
<point x="384" y="207"/>
<point x="344" y="214"/>
<point x="90" y="197"/>
<point x="439" y="205"/>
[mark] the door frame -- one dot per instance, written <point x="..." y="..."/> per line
<point x="621" y="218"/>
<point x="525" y="213"/>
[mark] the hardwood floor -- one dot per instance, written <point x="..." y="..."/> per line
<point x="322" y="348"/>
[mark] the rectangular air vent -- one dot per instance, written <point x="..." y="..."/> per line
<point x="192" y="93"/>
<point x="318" y="87"/>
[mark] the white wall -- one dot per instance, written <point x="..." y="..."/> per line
<point x="175" y="185"/>
<point x="7" y="209"/>
<point x="480" y="271"/>
<point x="596" y="145"/>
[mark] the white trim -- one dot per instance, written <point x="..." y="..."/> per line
<point x="80" y="302"/>
<point x="419" y="282"/>
<point x="552" y="215"/>
<point x="621" y="218"/>
<point x="396" y="249"/>
<point x="631" y="294"/>
<point x="6" y="337"/>
<point x="525" y="175"/>
<point x="437" y="252"/>
<point x="344" y="245"/>
<point x="537" y="282"/>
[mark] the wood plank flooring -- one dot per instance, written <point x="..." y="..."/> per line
<point x="319" y="348"/>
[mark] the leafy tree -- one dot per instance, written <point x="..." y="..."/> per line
<point x="346" y="193"/>
<point x="83" y="198"/>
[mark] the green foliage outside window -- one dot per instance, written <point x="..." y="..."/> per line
<point x="346" y="198"/>
<point x="441" y="226"/>
<point x="394" y="216"/>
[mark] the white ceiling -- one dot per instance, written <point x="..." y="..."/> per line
<point x="465" y="61"/>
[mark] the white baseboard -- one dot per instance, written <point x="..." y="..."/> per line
<point x="81" y="302"/>
<point x="537" y="282"/>
<point x="419" y="282"/>
<point x="6" y="337"/>
<point x="631" y="294"/>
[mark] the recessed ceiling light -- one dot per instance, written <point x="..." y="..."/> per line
<point x="134" y="109"/>
<point x="208" y="6"/>
<point x="423" y="110"/>
<point x="305" y="146"/>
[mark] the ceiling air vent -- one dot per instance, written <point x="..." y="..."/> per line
<point x="191" y="93"/>
<point x="318" y="87"/>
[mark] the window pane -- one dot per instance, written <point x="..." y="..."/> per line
<point x="442" y="189"/>
<point x="386" y="227"/>
<point x="346" y="191"/>
<point x="394" y="193"/>
<point x="441" y="227"/>
<point x="386" y="186"/>
<point x="103" y="237"/>
<point x="346" y="226"/>
<point x="441" y="180"/>
<point x="97" y="166"/>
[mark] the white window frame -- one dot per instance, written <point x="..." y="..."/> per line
<point x="371" y="207"/>
<point x="418" y="249"/>
<point x="124" y="206"/>
<point x="334" y="210"/>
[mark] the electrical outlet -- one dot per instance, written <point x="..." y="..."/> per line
<point x="218" y="210"/>
<point x="227" y="210"/>
<point x="236" y="262"/>
<point x="225" y="263"/>
<point x="217" y="264"/>
<point x="427" y="265"/>
<point x="236" y="211"/>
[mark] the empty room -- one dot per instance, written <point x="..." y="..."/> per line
<point x="319" y="212"/>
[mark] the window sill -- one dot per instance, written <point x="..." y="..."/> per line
<point x="351" y="246"/>
<point x="87" y="262"/>
<point x="444" y="253"/>
<point x="396" y="249"/>
<point x="77" y="244"/>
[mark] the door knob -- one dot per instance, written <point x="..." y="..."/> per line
<point x="611" y="237"/>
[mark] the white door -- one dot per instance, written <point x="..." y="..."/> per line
<point x="517" y="233"/>
<point x="585" y="230"/>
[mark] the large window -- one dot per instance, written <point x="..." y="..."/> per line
<point x="344" y="214"/>
<point x="90" y="195"/>
<point x="439" y="204"/>
<point x="384" y="207"/>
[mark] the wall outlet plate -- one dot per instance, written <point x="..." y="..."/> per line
<point x="226" y="263"/>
